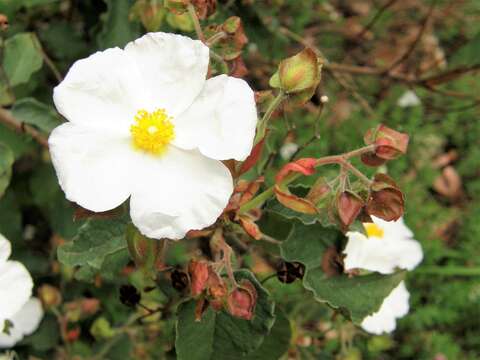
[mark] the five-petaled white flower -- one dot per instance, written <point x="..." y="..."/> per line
<point x="144" y="123"/>
<point x="20" y="313"/>
<point x="387" y="246"/>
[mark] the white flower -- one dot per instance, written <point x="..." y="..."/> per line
<point x="408" y="99"/>
<point x="288" y="150"/>
<point x="145" y="123"/>
<point x="393" y="307"/>
<point x="387" y="246"/>
<point x="17" y="307"/>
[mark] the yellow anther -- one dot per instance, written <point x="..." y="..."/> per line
<point x="152" y="132"/>
<point x="373" y="230"/>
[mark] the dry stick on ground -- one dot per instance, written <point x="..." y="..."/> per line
<point x="7" y="118"/>
<point x="376" y="18"/>
<point x="415" y="42"/>
<point x="427" y="83"/>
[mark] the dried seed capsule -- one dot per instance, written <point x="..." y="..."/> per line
<point x="129" y="295"/>
<point x="179" y="280"/>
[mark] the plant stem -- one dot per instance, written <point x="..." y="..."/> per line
<point x="215" y="38"/>
<point x="7" y="118"/>
<point x="196" y="23"/>
<point x="262" y="126"/>
<point x="222" y="62"/>
<point x="448" y="270"/>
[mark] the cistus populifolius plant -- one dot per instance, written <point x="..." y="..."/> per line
<point x="185" y="187"/>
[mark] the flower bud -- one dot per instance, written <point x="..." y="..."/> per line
<point x="242" y="300"/>
<point x="72" y="335"/>
<point x="198" y="271"/>
<point x="319" y="191"/>
<point x="150" y="14"/>
<point x="386" y="200"/>
<point x="143" y="251"/>
<point x="176" y="6"/>
<point x="298" y="73"/>
<point x="49" y="296"/>
<point x="80" y="309"/>
<point x="390" y="144"/>
<point x="3" y="22"/>
<point x="101" y="329"/>
<point x="250" y="227"/>
<point x="349" y="206"/>
<point x="204" y="8"/>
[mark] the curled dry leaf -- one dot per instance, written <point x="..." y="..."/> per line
<point x="386" y="200"/>
<point x="242" y="300"/>
<point x="198" y="271"/>
<point x="449" y="183"/>
<point x="349" y="206"/>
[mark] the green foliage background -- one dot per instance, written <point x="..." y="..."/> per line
<point x="445" y="289"/>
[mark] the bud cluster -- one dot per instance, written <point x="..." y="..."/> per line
<point x="340" y="201"/>
<point x="210" y="289"/>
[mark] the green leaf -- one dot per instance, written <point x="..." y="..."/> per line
<point x="33" y="112"/>
<point x="355" y="297"/>
<point x="46" y="336"/>
<point x="64" y="41"/>
<point x="276" y="207"/>
<point x="22" y="58"/>
<point x="469" y="54"/>
<point x="6" y="161"/>
<point x="219" y="335"/>
<point x="117" y="29"/>
<point x="10" y="217"/>
<point x="277" y="342"/>
<point x="97" y="248"/>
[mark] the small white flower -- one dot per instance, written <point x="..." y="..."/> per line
<point x="408" y="99"/>
<point x="288" y="150"/>
<point x="387" y="246"/>
<point x="145" y="124"/>
<point x="17" y="307"/>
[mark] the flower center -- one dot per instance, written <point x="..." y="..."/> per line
<point x="152" y="132"/>
<point x="373" y="230"/>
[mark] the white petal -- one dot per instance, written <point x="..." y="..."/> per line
<point x="392" y="229"/>
<point x="173" y="69"/>
<point x="409" y="98"/>
<point x="221" y="122"/>
<point x="15" y="288"/>
<point x="93" y="168"/>
<point x="368" y="254"/>
<point x="103" y="91"/>
<point x="25" y="322"/>
<point x="5" y="248"/>
<point x="179" y="191"/>
<point x="393" y="307"/>
<point x="396" y="249"/>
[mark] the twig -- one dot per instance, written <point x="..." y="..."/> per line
<point x="414" y="44"/>
<point x="376" y="17"/>
<point x="196" y="23"/>
<point x="216" y="38"/>
<point x="50" y="64"/>
<point x="7" y="118"/>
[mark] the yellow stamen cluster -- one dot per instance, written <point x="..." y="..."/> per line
<point x="373" y="230"/>
<point x="152" y="131"/>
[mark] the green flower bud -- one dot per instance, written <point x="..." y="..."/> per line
<point x="298" y="73"/>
